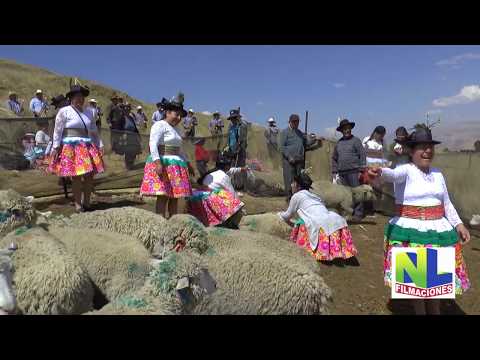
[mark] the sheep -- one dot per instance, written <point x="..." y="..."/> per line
<point x="115" y="263"/>
<point x="15" y="211"/>
<point x="137" y="223"/>
<point x="261" y="274"/>
<point x="8" y="301"/>
<point x="48" y="280"/>
<point x="183" y="231"/>
<point x="268" y="223"/>
<point x="341" y="198"/>
<point x="175" y="286"/>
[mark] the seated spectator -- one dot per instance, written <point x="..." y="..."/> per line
<point x="13" y="104"/>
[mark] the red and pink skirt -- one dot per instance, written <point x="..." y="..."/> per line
<point x="174" y="181"/>
<point x="339" y="245"/>
<point x="76" y="159"/>
<point x="213" y="207"/>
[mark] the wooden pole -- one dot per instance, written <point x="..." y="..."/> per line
<point x="306" y="138"/>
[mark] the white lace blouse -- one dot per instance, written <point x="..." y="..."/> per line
<point x="162" y="133"/>
<point x="68" y="118"/>
<point x="414" y="187"/>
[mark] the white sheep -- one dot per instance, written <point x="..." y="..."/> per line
<point x="262" y="274"/>
<point x="15" y="211"/>
<point x="8" y="301"/>
<point x="475" y="220"/>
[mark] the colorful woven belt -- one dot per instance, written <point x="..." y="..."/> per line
<point x="421" y="212"/>
<point x="168" y="150"/>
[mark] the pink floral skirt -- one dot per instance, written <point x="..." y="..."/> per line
<point x="174" y="181"/>
<point x="339" y="245"/>
<point x="215" y="207"/>
<point x="76" y="159"/>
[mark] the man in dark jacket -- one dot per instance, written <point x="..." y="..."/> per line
<point x="293" y="144"/>
<point x="116" y="120"/>
<point x="348" y="161"/>
<point x="237" y="146"/>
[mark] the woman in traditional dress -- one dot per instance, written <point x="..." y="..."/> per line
<point x="167" y="168"/>
<point x="217" y="203"/>
<point x="77" y="150"/>
<point x="324" y="234"/>
<point x="425" y="215"/>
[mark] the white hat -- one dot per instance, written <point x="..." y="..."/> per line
<point x="139" y="107"/>
<point x="271" y="120"/>
<point x="38" y="92"/>
<point x="190" y="110"/>
<point x="92" y="100"/>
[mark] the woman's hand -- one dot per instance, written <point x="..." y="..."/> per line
<point x="463" y="233"/>
<point x="158" y="167"/>
<point x="191" y="170"/>
<point x="375" y="172"/>
<point x="54" y="154"/>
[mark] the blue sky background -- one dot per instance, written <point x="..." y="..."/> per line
<point x="371" y="85"/>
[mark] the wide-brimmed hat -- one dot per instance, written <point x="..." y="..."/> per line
<point x="343" y="123"/>
<point x="139" y="107"/>
<point x="421" y="135"/>
<point x="10" y="93"/>
<point x="234" y="114"/>
<point x="92" y="101"/>
<point x="190" y="111"/>
<point x="57" y="100"/>
<point x="78" y="89"/>
<point x="114" y="97"/>
<point x="199" y="141"/>
<point x="38" y="92"/>
<point x="176" y="104"/>
<point x="271" y="120"/>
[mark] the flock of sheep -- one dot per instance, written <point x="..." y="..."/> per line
<point x="131" y="261"/>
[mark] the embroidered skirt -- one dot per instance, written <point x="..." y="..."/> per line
<point x="173" y="182"/>
<point x="213" y="207"/>
<point x="77" y="158"/>
<point x="339" y="245"/>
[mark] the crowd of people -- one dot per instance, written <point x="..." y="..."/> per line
<point x="425" y="215"/>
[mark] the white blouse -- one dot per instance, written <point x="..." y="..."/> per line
<point x="312" y="211"/>
<point x="374" y="146"/>
<point x="219" y="180"/>
<point x="162" y="133"/>
<point x="414" y="187"/>
<point x="68" y="118"/>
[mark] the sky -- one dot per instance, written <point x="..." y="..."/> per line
<point x="370" y="85"/>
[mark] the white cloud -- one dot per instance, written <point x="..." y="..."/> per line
<point x="259" y="103"/>
<point x="455" y="61"/>
<point x="468" y="94"/>
<point x="338" y="85"/>
<point x="206" y="113"/>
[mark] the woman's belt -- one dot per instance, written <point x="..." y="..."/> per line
<point x="421" y="212"/>
<point x="168" y="150"/>
<point x="75" y="132"/>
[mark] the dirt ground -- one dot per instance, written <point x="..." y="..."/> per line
<point x="357" y="290"/>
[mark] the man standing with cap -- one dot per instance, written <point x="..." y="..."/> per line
<point x="349" y="161"/>
<point x="237" y="145"/>
<point x="293" y="144"/>
<point x="189" y="124"/>
<point x="216" y="128"/>
<point x="13" y="104"/>
<point x="271" y="135"/>
<point x="116" y="121"/>
<point x="38" y="105"/>
<point x="160" y="113"/>
<point x="140" y="117"/>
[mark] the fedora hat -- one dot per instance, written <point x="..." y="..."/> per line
<point x="343" y="123"/>
<point x="421" y="135"/>
<point x="92" y="101"/>
<point x="271" y="120"/>
<point x="78" y="89"/>
<point x="176" y="104"/>
<point x="38" y="92"/>
<point x="234" y="114"/>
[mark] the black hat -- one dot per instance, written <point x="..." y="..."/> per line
<point x="343" y="123"/>
<point x="222" y="161"/>
<point x="235" y="113"/>
<point x="57" y="100"/>
<point x="176" y="104"/>
<point x="162" y="103"/>
<point x="303" y="180"/>
<point x="421" y="135"/>
<point x="78" y="89"/>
